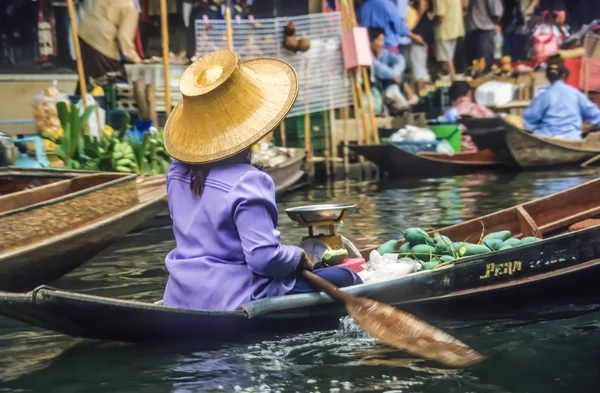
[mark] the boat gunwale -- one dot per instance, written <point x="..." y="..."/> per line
<point x="555" y="142"/>
<point x="431" y="159"/>
<point x="123" y="178"/>
<point x="80" y="230"/>
<point x="299" y="155"/>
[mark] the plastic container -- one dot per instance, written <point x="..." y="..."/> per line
<point x="415" y="147"/>
<point x="153" y="74"/>
<point x="354" y="264"/>
<point x="450" y="131"/>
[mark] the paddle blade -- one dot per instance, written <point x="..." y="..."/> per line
<point x="406" y="332"/>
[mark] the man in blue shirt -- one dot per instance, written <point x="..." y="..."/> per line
<point x="385" y="14"/>
<point x="388" y="69"/>
<point x="559" y="112"/>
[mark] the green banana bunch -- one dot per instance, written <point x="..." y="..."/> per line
<point x="123" y="157"/>
<point x="157" y="157"/>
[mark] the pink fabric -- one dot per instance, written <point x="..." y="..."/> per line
<point x="466" y="107"/>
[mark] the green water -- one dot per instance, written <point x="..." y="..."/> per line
<point x="550" y="350"/>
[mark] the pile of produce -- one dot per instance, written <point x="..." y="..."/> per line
<point x="429" y="251"/>
<point x="115" y="151"/>
<point x="268" y="155"/>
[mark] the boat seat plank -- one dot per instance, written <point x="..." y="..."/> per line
<point x="54" y="190"/>
<point x="527" y="223"/>
<point x="566" y="221"/>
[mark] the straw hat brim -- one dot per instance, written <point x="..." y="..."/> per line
<point x="250" y="100"/>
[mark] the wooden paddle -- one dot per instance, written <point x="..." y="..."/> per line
<point x="400" y="329"/>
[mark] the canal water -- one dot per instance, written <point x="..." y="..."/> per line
<point x="549" y="350"/>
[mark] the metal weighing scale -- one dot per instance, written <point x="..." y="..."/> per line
<point x="329" y="216"/>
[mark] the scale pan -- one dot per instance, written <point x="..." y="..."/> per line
<point x="315" y="214"/>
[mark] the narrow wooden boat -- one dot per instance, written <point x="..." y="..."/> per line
<point x="51" y="229"/>
<point x="398" y="162"/>
<point x="565" y="263"/>
<point x="288" y="173"/>
<point x="517" y="147"/>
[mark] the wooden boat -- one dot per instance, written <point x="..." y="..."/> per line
<point x="565" y="263"/>
<point x="520" y="148"/>
<point x="398" y="162"/>
<point x="288" y="173"/>
<point x="54" y="227"/>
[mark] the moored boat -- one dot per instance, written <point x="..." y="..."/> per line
<point x="289" y="172"/>
<point x="521" y="148"/>
<point x="52" y="228"/>
<point x="398" y="162"/>
<point x="564" y="263"/>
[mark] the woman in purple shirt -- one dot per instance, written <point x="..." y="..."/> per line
<point x="224" y="213"/>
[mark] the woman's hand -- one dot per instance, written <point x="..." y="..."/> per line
<point x="305" y="262"/>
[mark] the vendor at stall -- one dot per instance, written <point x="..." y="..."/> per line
<point x="560" y="111"/>
<point x="227" y="250"/>
<point x="106" y="32"/>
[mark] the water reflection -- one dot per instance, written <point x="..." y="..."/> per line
<point x="547" y="351"/>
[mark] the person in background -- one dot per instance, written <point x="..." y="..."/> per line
<point x="388" y="69"/>
<point x="463" y="105"/>
<point x="559" y="112"/>
<point x="482" y="24"/>
<point x="417" y="53"/>
<point x="384" y="14"/>
<point x="108" y="29"/>
<point x="449" y="28"/>
<point x="553" y="7"/>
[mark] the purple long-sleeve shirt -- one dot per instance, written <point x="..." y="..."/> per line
<point x="227" y="246"/>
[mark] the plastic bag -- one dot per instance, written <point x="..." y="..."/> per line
<point x="386" y="267"/>
<point x="92" y="121"/>
<point x="445" y="147"/>
<point x="45" y="114"/>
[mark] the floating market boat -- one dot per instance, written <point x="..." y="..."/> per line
<point x="520" y="148"/>
<point x="564" y="263"/>
<point x="53" y="221"/>
<point x="398" y="162"/>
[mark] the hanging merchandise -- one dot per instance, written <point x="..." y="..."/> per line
<point x="46" y="32"/>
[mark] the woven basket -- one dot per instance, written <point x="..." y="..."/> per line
<point x="35" y="215"/>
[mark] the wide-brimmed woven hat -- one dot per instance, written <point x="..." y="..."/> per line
<point x="228" y="105"/>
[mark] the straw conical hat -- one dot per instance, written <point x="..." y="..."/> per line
<point x="228" y="105"/>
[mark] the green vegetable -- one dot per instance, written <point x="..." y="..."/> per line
<point x="443" y="245"/>
<point x="422" y="251"/>
<point x="447" y="258"/>
<point x="416" y="236"/>
<point x="335" y="257"/>
<point x="502" y="235"/>
<point x="124" y="169"/>
<point x="511" y="242"/>
<point x="125" y="162"/>
<point x="430" y="265"/>
<point x="506" y="247"/>
<point x="388" y="247"/>
<point x="528" y="239"/>
<point x="493" y="244"/>
<point x="406" y="259"/>
<point x="405" y="248"/>
<point x="117" y="155"/>
<point x="469" y="249"/>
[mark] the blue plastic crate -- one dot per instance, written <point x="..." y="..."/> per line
<point x="418" y="147"/>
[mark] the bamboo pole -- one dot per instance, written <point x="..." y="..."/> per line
<point x="307" y="136"/>
<point x="282" y="133"/>
<point x="346" y="115"/>
<point x="327" y="145"/>
<point x="229" y="29"/>
<point x="164" y="27"/>
<point x="375" y="134"/>
<point x="75" y="36"/>
<point x="361" y="105"/>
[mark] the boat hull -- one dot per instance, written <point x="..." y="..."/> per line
<point x="397" y="162"/>
<point x="516" y="147"/>
<point x="552" y="271"/>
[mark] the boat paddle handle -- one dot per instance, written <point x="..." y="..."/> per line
<point x="327" y="287"/>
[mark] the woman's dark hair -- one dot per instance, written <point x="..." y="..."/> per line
<point x="199" y="172"/>
<point x="459" y="89"/>
<point x="375" y="32"/>
<point x="556" y="69"/>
